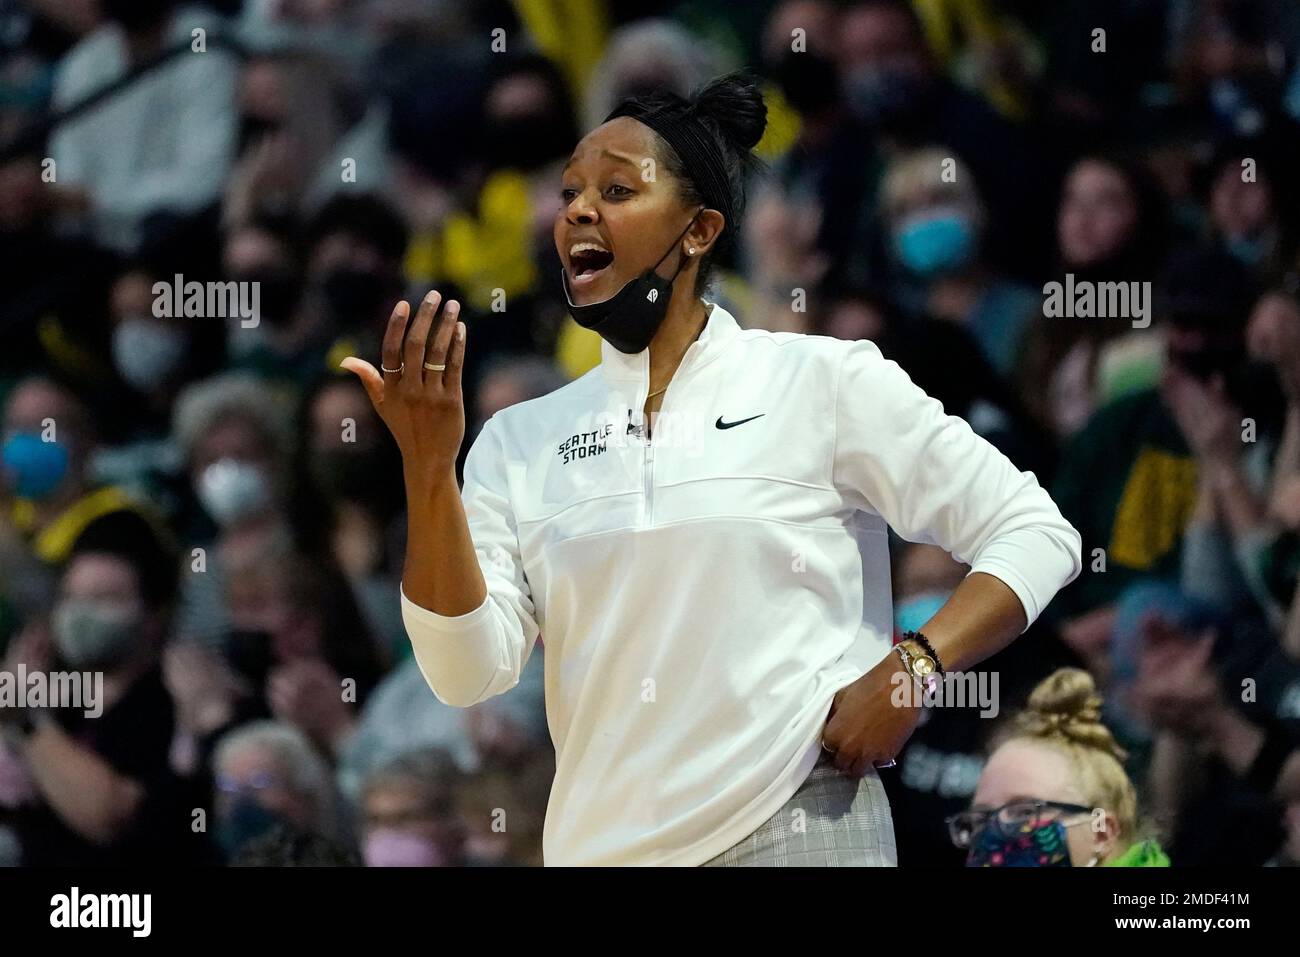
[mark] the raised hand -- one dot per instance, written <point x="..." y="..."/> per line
<point x="417" y="389"/>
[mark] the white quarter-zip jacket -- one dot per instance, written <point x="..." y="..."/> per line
<point x="703" y="595"/>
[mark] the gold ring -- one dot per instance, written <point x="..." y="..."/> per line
<point x="433" y="368"/>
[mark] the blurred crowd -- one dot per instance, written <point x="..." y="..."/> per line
<point x="204" y="508"/>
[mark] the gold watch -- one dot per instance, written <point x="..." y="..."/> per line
<point x="917" y="659"/>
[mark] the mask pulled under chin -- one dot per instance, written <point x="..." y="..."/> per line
<point x="629" y="319"/>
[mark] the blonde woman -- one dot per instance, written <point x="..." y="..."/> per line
<point x="1055" y="793"/>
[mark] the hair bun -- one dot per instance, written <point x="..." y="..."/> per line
<point x="1066" y="706"/>
<point x="735" y="103"/>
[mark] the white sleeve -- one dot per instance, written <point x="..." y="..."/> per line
<point x="935" y="481"/>
<point x="469" y="658"/>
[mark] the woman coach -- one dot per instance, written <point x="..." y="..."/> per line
<point x="716" y="611"/>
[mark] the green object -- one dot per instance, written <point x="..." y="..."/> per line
<point x="1127" y="482"/>
<point x="1128" y="366"/>
<point x="1142" y="854"/>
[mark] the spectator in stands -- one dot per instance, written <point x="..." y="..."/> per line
<point x="1054" y="793"/>
<point x="936" y="222"/>
<point x="51" y="498"/>
<point x="147" y="163"/>
<point x="409" y="816"/>
<point x="269" y="776"/>
<point x="100" y="791"/>
<point x="235" y="441"/>
<point x="1110" y="227"/>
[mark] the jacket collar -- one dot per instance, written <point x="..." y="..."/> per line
<point x="719" y="329"/>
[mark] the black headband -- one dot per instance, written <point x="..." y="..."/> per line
<point x="675" y="120"/>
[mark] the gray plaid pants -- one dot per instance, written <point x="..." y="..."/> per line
<point x="844" y="823"/>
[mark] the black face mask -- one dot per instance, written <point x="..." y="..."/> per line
<point x="886" y="98"/>
<point x="808" y="80"/>
<point x="354" y="295"/>
<point x="629" y="319"/>
<point x="278" y="293"/>
<point x="251" y="655"/>
<point x="527" y="142"/>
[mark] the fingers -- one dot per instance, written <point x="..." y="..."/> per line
<point x="858" y="763"/>
<point x="456" y="360"/>
<point x="417" y="338"/>
<point x="856" y="758"/>
<point x="844" y="761"/>
<point x="390" y="352"/>
<point x="840" y="751"/>
<point x="369" y="376"/>
<point x="851" y="750"/>
<point x="441" y="345"/>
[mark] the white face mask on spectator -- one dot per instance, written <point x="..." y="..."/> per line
<point x="147" y="352"/>
<point x="230" y="490"/>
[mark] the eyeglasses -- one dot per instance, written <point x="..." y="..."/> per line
<point x="1013" y="815"/>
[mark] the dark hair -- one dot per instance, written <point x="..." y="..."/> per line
<point x="1204" y="289"/>
<point x="545" y="69"/>
<point x="317" y="584"/>
<point x="732" y="111"/>
<point x="142" y="542"/>
<point x="1272" y="152"/>
<point x="310" y="510"/>
<point x="1144" y="251"/>
<point x="366" y="216"/>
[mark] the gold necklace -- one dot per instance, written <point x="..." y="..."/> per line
<point x="697" y="335"/>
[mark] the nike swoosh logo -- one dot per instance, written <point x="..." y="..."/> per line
<point x="731" y="425"/>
